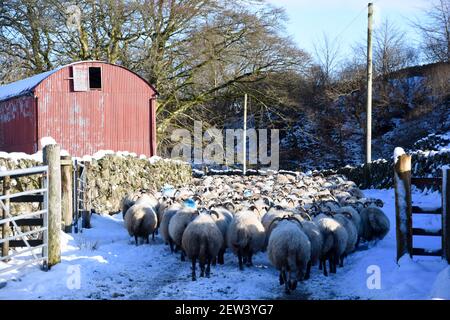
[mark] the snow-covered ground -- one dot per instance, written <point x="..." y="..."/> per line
<point x="103" y="263"/>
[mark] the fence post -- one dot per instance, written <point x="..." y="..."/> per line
<point x="66" y="193"/>
<point x="403" y="209"/>
<point x="446" y="213"/>
<point x="87" y="209"/>
<point x="51" y="155"/>
<point x="5" y="214"/>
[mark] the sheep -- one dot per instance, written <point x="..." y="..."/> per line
<point x="352" y="233"/>
<point x="375" y="223"/>
<point x="328" y="226"/>
<point x="289" y="251"/>
<point x="245" y="236"/>
<point x="178" y="224"/>
<point x="140" y="221"/>
<point x="202" y="240"/>
<point x="128" y="201"/>
<point x="164" y="225"/>
<point x="222" y="217"/>
<point x="163" y="205"/>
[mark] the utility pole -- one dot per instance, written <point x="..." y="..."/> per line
<point x="369" y="97"/>
<point x="244" y="138"/>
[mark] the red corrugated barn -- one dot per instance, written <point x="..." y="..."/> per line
<point x="85" y="106"/>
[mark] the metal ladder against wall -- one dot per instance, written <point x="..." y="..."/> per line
<point x="38" y="220"/>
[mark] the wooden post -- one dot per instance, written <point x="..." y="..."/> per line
<point x="87" y="210"/>
<point x="403" y="209"/>
<point x="244" y="141"/>
<point x="367" y="167"/>
<point x="5" y="214"/>
<point x="446" y="213"/>
<point x="51" y="157"/>
<point x="66" y="193"/>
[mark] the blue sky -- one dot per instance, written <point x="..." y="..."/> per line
<point x="346" y="20"/>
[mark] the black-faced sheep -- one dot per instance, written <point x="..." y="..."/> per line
<point x="202" y="240"/>
<point x="140" y="221"/>
<point x="289" y="250"/>
<point x="245" y="236"/>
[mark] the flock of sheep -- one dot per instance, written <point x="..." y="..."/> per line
<point x="300" y="220"/>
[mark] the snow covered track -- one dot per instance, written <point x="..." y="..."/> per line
<point x="104" y="263"/>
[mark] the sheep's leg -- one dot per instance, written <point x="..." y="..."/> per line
<point x="282" y="277"/>
<point x="241" y="266"/>
<point x="136" y="240"/>
<point x="153" y="236"/>
<point x="208" y="267"/>
<point x="287" y="282"/>
<point x="214" y="261"/>
<point x="183" y="255"/>
<point x="324" y="263"/>
<point x="147" y="240"/>
<point x="202" y="268"/>
<point x="249" y="260"/>
<point x="308" y="270"/>
<point x="320" y="264"/>
<point x="176" y="248"/>
<point x="220" y="258"/>
<point x="171" y="245"/>
<point x="193" y="269"/>
<point x="341" y="262"/>
<point x="332" y="264"/>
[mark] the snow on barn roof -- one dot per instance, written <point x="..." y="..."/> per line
<point x="22" y="87"/>
<point x="25" y="86"/>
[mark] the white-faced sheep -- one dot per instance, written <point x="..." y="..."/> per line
<point x="289" y="250"/>
<point x="222" y="217"/>
<point x="164" y="225"/>
<point x="375" y="223"/>
<point x="328" y="226"/>
<point x="178" y="224"/>
<point x="202" y="240"/>
<point x="140" y="221"/>
<point x="245" y="236"/>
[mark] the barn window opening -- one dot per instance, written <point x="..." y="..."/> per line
<point x="95" y="78"/>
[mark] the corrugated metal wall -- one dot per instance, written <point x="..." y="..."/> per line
<point x="117" y="117"/>
<point x="18" y="125"/>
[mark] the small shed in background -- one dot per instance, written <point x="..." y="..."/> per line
<point x="85" y="106"/>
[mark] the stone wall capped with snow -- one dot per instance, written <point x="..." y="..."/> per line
<point x="110" y="178"/>
<point x="424" y="164"/>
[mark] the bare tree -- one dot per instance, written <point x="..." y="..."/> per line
<point x="436" y="31"/>
<point x="327" y="57"/>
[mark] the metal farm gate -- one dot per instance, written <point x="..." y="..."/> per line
<point x="81" y="207"/>
<point x="35" y="236"/>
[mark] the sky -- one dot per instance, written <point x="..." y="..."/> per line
<point x="345" y="21"/>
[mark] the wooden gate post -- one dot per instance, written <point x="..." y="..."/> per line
<point x="51" y="155"/>
<point x="5" y="227"/>
<point x="446" y="213"/>
<point x="66" y="193"/>
<point x="403" y="209"/>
